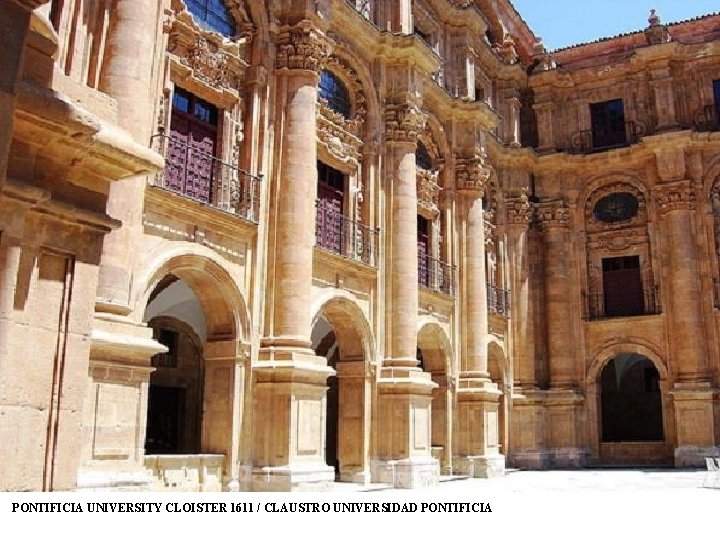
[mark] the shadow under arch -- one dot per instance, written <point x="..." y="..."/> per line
<point x="642" y="450"/>
<point x="435" y="357"/>
<point x="341" y="333"/>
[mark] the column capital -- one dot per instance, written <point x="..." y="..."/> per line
<point x="472" y="173"/>
<point x="302" y="46"/>
<point x="553" y="215"/>
<point x="673" y="196"/>
<point x="404" y="122"/>
<point x="519" y="209"/>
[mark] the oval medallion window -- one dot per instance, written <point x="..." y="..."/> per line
<point x="616" y="207"/>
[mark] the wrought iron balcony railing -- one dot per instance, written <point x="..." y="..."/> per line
<point x="205" y="178"/>
<point x="498" y="301"/>
<point x="600" y="306"/>
<point x="708" y="118"/>
<point x="339" y="234"/>
<point x="599" y="139"/>
<point x="436" y="274"/>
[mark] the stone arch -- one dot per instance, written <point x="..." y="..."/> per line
<point x="500" y="373"/>
<point x="203" y="270"/>
<point x="342" y="334"/>
<point x="225" y="352"/>
<point x="435" y="349"/>
<point x="618" y="178"/>
<point x="711" y="182"/>
<point x="435" y="140"/>
<point x="623" y="453"/>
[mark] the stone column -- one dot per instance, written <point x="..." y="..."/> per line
<point x="519" y="215"/>
<point x="554" y="219"/>
<point x="121" y="349"/>
<point x="477" y="451"/>
<point x="563" y="402"/>
<point x="693" y="394"/>
<point x="512" y="106"/>
<point x="545" y="126"/>
<point x="289" y="413"/>
<point x="404" y="391"/>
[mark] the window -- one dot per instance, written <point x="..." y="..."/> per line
<point x="423" y="246"/>
<point x="212" y="15"/>
<point x="622" y="286"/>
<point x="330" y="201"/>
<point x="716" y="93"/>
<point x="334" y="92"/>
<point x="608" y="124"/>
<point x="616" y="207"/>
<point x="422" y="157"/>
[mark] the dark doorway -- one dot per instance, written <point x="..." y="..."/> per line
<point x="608" y="124"/>
<point x="716" y="93"/>
<point x="193" y="130"/>
<point x="325" y="344"/>
<point x="166" y="416"/>
<point x="622" y="287"/>
<point x="423" y="247"/>
<point x="631" y="400"/>
<point x="330" y="203"/>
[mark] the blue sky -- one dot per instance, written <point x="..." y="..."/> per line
<point x="567" y="22"/>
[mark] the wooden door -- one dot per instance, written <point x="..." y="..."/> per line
<point x="622" y="287"/>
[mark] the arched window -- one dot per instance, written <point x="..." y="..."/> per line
<point x="422" y="157"/>
<point x="334" y="92"/>
<point x="212" y="15"/>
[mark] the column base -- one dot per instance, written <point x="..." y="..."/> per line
<point x="480" y="466"/>
<point x="411" y="473"/>
<point x="356" y="477"/>
<point x="694" y="456"/>
<point x="292" y="478"/>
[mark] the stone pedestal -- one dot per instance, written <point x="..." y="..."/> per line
<point x="477" y="438"/>
<point x="116" y="413"/>
<point x="289" y="422"/>
<point x="528" y="429"/>
<point x="403" y="448"/>
<point x="696" y="417"/>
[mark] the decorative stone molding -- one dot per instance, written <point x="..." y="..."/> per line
<point x="338" y="135"/>
<point x="617" y="240"/>
<point x="674" y="196"/>
<point x="428" y="192"/>
<point x="302" y="47"/>
<point x="553" y="215"/>
<point x="507" y="52"/>
<point x="519" y="210"/>
<point x="542" y="57"/>
<point x="210" y="64"/>
<point x="473" y="174"/>
<point x="656" y="32"/>
<point x="404" y="122"/>
<point x="615" y="187"/>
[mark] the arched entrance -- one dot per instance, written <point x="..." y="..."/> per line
<point x="630" y="400"/>
<point x="341" y="334"/>
<point x="196" y="393"/>
<point x="433" y="356"/>
<point x="496" y="367"/>
<point x="630" y="411"/>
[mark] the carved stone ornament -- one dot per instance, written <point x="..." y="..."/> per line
<point x="675" y="196"/>
<point x="603" y="192"/>
<point x="519" y="209"/>
<point x="338" y="135"/>
<point x="507" y="50"/>
<point x="472" y="174"/>
<point x="553" y="215"/>
<point x="617" y="240"/>
<point x="302" y="47"/>
<point x="404" y="122"/>
<point x="428" y="192"/>
<point x="210" y="64"/>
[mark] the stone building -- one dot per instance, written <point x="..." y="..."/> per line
<point x="269" y="245"/>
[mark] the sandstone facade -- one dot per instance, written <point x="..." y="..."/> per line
<point x="253" y="245"/>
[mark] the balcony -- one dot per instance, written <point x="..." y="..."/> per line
<point x="600" y="307"/>
<point x="436" y="275"/>
<point x="708" y="118"/>
<point x="203" y="177"/>
<point x="498" y="301"/>
<point x="339" y="234"/>
<point x="600" y="139"/>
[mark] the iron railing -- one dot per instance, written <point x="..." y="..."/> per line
<point x="207" y="179"/>
<point x="707" y="118"/>
<point x="341" y="235"/>
<point x="598" y="306"/>
<point x="604" y="138"/>
<point x="436" y="275"/>
<point x="498" y="301"/>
